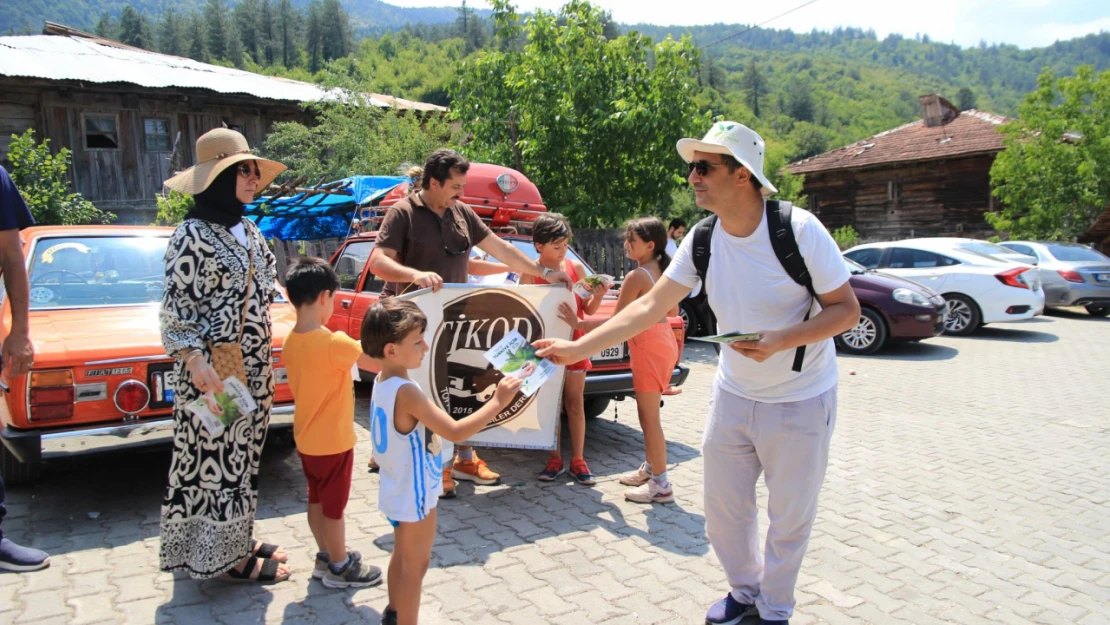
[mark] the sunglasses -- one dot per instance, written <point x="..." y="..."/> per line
<point x="702" y="167"/>
<point x="246" y="170"/>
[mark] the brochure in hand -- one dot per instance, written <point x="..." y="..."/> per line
<point x="729" y="337"/>
<point x="217" y="411"/>
<point x="584" y="287"/>
<point x="514" y="356"/>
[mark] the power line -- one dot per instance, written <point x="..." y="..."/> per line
<point x="751" y="28"/>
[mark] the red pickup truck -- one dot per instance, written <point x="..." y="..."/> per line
<point x="508" y="202"/>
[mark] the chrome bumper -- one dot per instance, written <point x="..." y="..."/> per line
<point x="620" y="384"/>
<point x="37" y="445"/>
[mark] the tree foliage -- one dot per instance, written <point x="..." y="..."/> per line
<point x="1053" y="179"/>
<point x="41" y="178"/>
<point x="590" y="120"/>
<point x="352" y="136"/>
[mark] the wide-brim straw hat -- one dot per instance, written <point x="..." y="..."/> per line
<point x="217" y="150"/>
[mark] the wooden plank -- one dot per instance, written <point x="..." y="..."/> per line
<point x="86" y="174"/>
<point x="91" y="101"/>
<point x="130" y="136"/>
<point x="9" y="110"/>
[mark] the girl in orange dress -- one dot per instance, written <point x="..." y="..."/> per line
<point x="654" y="354"/>
<point x="551" y="236"/>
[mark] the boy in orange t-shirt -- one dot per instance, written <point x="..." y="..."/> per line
<point x="318" y="363"/>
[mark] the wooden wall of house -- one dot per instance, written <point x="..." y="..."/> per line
<point x="938" y="198"/>
<point x="126" y="179"/>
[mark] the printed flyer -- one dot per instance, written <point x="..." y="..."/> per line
<point x="514" y="356"/>
<point x="217" y="411"/>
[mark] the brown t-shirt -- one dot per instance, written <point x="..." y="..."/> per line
<point x="425" y="242"/>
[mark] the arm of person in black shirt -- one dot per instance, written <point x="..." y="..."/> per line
<point x="518" y="261"/>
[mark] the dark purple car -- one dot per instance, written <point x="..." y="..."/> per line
<point x="891" y="309"/>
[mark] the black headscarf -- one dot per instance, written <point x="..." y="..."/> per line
<point x="218" y="203"/>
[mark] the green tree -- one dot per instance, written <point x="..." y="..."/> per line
<point x="288" y="34"/>
<point x="965" y="99"/>
<point x="754" y="87"/>
<point x="799" y="99"/>
<point x="134" y="29"/>
<point x="247" y="16"/>
<point x="591" y="121"/>
<point x="216" y="26"/>
<point x="335" y="30"/>
<point x="41" y="179"/>
<point x="107" y="27"/>
<point x="172" y="208"/>
<point x="809" y="139"/>
<point x="314" y="36"/>
<point x="352" y="136"/>
<point x="267" y="33"/>
<point x="1054" y="176"/>
<point x="198" y="38"/>
<point x="172" y="34"/>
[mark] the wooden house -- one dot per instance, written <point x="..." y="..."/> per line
<point x="930" y="177"/>
<point x="131" y="117"/>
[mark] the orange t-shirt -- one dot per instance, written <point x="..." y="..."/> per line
<point x="319" y="364"/>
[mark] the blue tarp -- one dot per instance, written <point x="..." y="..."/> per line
<point x="322" y="216"/>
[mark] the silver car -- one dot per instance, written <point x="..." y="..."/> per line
<point x="1072" y="274"/>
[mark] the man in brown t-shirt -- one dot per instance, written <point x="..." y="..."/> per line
<point x="425" y="241"/>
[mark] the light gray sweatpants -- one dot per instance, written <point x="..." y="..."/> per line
<point x="789" y="444"/>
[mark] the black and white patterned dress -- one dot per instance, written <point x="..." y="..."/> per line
<point x="211" y="498"/>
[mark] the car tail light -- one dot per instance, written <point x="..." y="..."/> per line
<point x="51" y="395"/>
<point x="131" y="397"/>
<point x="1070" y="275"/>
<point x="1012" y="277"/>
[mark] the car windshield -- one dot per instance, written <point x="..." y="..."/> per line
<point x="529" y="251"/>
<point x="1075" y="253"/>
<point x="79" y="272"/>
<point x="854" y="268"/>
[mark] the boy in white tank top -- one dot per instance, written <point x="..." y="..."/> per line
<point x="405" y="430"/>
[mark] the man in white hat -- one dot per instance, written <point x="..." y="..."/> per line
<point x="763" y="413"/>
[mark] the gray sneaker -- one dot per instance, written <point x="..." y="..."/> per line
<point x="357" y="574"/>
<point x="322" y="561"/>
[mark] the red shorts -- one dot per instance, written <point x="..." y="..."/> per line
<point x="329" y="480"/>
<point x="581" y="365"/>
<point x="653" y="354"/>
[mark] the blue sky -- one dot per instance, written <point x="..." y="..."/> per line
<point x="1026" y="23"/>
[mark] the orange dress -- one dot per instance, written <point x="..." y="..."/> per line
<point x="653" y="354"/>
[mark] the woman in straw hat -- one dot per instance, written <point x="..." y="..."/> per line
<point x="220" y="281"/>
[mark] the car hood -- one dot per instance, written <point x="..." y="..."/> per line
<point x="878" y="281"/>
<point x="88" y="334"/>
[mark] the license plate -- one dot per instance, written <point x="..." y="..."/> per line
<point x="163" y="383"/>
<point x="613" y="353"/>
<point x="1102" y="277"/>
<point x="280" y="377"/>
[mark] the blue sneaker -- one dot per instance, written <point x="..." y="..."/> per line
<point x="14" y="557"/>
<point x="728" y="611"/>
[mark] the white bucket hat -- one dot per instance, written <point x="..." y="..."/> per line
<point x="217" y="150"/>
<point x="736" y="140"/>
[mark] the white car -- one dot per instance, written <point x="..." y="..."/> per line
<point x="979" y="288"/>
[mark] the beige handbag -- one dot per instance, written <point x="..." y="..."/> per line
<point x="227" y="358"/>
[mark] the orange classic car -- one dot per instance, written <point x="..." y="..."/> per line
<point x="101" y="380"/>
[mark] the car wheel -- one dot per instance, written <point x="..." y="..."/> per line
<point x="1098" y="311"/>
<point x="595" y="406"/>
<point x="689" y="318"/>
<point x="963" y="315"/>
<point x="868" y="335"/>
<point x="16" y="472"/>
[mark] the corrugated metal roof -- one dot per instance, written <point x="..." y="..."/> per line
<point x="972" y="132"/>
<point x="54" y="57"/>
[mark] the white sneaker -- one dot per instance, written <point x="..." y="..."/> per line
<point x="650" y="492"/>
<point x="637" y="477"/>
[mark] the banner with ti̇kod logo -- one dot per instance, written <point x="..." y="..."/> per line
<point x="464" y="322"/>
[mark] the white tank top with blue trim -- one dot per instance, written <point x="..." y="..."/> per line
<point x="411" y="464"/>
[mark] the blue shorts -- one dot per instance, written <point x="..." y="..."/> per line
<point x="395" y="524"/>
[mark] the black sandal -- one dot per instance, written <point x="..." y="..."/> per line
<point x="267" y="574"/>
<point x="265" y="550"/>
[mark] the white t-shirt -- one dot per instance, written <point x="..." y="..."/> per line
<point x="672" y="248"/>
<point x="750" y="291"/>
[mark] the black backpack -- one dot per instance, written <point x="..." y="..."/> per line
<point x="786" y="250"/>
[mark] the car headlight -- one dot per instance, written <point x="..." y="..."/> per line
<point x="911" y="297"/>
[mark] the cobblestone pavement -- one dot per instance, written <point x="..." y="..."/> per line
<point x="968" y="483"/>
